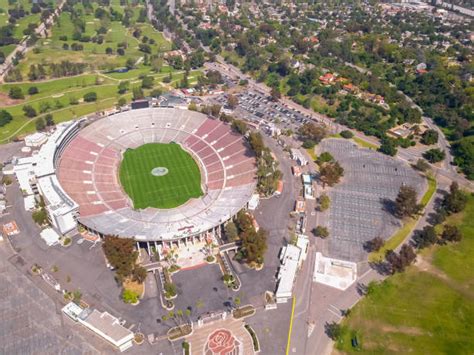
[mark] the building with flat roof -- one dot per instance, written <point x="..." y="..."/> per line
<point x="103" y="324"/>
<point x="36" y="139"/>
<point x="297" y="155"/>
<point x="291" y="258"/>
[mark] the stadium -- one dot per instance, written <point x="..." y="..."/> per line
<point x="152" y="174"/>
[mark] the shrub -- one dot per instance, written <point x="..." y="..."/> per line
<point x="40" y="216"/>
<point x="346" y="134"/>
<point x="5" y="117"/>
<point x="29" y="111"/>
<point x="40" y="124"/>
<point x="321" y="231"/>
<point x="434" y="155"/>
<point x="170" y="289"/>
<point x="129" y="296"/>
<point x="16" y="93"/>
<point x="32" y="90"/>
<point x="90" y="97"/>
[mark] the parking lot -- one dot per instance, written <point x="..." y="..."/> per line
<point x="359" y="203"/>
<point x="256" y="107"/>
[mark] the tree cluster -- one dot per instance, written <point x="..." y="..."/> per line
<point x="398" y="262"/>
<point x="253" y="244"/>
<point x="121" y="254"/>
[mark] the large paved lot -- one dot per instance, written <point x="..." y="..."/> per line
<point x="359" y="204"/>
<point x="202" y="289"/>
<point x="31" y="322"/>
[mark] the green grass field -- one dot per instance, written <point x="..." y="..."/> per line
<point x="181" y="183"/>
<point x="428" y="309"/>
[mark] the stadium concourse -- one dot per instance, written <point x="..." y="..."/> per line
<point x="87" y="172"/>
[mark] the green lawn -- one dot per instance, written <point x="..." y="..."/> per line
<point x="181" y="183"/>
<point x="426" y="309"/>
<point x="457" y="260"/>
<point x="364" y="144"/>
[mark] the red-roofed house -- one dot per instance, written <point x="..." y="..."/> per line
<point x="327" y="78"/>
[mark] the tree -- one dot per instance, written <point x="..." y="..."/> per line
<point x="29" y="111"/>
<point x="434" y="155"/>
<point x="239" y="126"/>
<point x="429" y="137"/>
<point x="232" y="101"/>
<point x="49" y="120"/>
<point x="256" y="142"/>
<point x="32" y="90"/>
<point x="346" y="134"/>
<point x="130" y="64"/>
<point x="137" y="94"/>
<point x="464" y="155"/>
<point x="139" y="274"/>
<point x="455" y="201"/>
<point x="374" y="244"/>
<point x="16" y="93"/>
<point x="406" y="202"/>
<point x="333" y="330"/>
<point x="147" y="82"/>
<point x="5" y="118"/>
<point x="324" y="202"/>
<point x="321" y="231"/>
<point x="407" y="255"/>
<point x="311" y="131"/>
<point x="331" y="173"/>
<point x="192" y="106"/>
<point x="121" y="102"/>
<point x="121" y="254"/>
<point x="123" y="87"/>
<point x="425" y="237"/>
<point x="40" y="124"/>
<point x="90" y="97"/>
<point x="170" y="289"/>
<point x="451" y="233"/>
<point x="254" y="245"/>
<point x="308" y="144"/>
<point x="231" y="231"/>
<point x="275" y="93"/>
<point x="156" y="92"/>
<point x="388" y="147"/>
<point x="439" y="216"/>
<point x="394" y="261"/>
<point x="422" y="165"/>
<point x="325" y="157"/>
<point x="40" y="216"/>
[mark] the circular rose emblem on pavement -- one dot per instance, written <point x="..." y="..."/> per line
<point x="221" y="342"/>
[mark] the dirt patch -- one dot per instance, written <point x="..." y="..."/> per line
<point x="423" y="263"/>
<point x="139" y="289"/>
<point x="5" y="100"/>
<point x="406" y="330"/>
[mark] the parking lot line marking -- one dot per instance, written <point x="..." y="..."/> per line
<point x="291" y="326"/>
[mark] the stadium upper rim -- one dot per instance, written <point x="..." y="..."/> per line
<point x="87" y="170"/>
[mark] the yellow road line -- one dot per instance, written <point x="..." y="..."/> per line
<point x="291" y="326"/>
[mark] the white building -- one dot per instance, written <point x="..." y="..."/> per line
<point x="36" y="139"/>
<point x="297" y="155"/>
<point x="103" y="324"/>
<point x="291" y="258"/>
